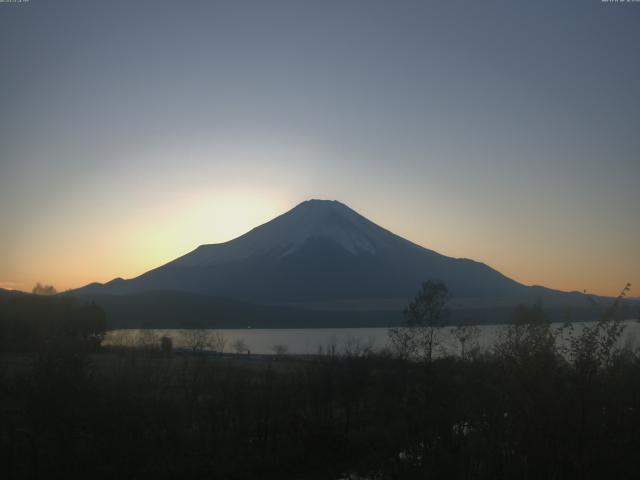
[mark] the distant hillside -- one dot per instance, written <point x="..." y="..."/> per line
<point x="11" y="293"/>
<point x="171" y="309"/>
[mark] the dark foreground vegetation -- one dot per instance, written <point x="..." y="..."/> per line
<point x="529" y="409"/>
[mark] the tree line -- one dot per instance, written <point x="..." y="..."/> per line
<point x="530" y="408"/>
<point x="33" y="323"/>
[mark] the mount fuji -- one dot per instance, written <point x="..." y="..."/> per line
<point x="320" y="263"/>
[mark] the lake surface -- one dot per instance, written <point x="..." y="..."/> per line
<point x="309" y="341"/>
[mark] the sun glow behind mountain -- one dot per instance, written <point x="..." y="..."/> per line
<point x="168" y="127"/>
<point x="153" y="233"/>
<point x="138" y="240"/>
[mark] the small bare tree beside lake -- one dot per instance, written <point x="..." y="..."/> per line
<point x="240" y="346"/>
<point x="197" y="340"/>
<point x="280" y="350"/>
<point x="218" y="342"/>
<point x="418" y="335"/>
<point x="467" y="336"/>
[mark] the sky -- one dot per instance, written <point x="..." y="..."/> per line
<point x="503" y="131"/>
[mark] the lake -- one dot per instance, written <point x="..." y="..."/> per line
<point x="311" y="341"/>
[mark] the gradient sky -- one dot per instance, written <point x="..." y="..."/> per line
<point x="503" y="131"/>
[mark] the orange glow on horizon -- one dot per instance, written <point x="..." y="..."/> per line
<point x="149" y="239"/>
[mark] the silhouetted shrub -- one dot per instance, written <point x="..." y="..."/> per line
<point x="29" y="323"/>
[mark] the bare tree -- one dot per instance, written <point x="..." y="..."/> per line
<point x="529" y="343"/>
<point x="197" y="339"/>
<point x="147" y="339"/>
<point x="426" y="313"/>
<point x="218" y="342"/>
<point x="596" y="345"/>
<point x="280" y="349"/>
<point x="355" y="347"/>
<point x="240" y="346"/>
<point x="467" y="336"/>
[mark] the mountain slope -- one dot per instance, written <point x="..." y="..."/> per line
<point x="318" y="251"/>
<point x="322" y="263"/>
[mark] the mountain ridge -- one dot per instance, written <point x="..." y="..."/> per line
<point x="315" y="228"/>
<point x="319" y="254"/>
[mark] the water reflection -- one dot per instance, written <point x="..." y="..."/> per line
<point x="310" y="341"/>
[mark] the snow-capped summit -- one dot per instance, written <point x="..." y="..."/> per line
<point x="312" y="220"/>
